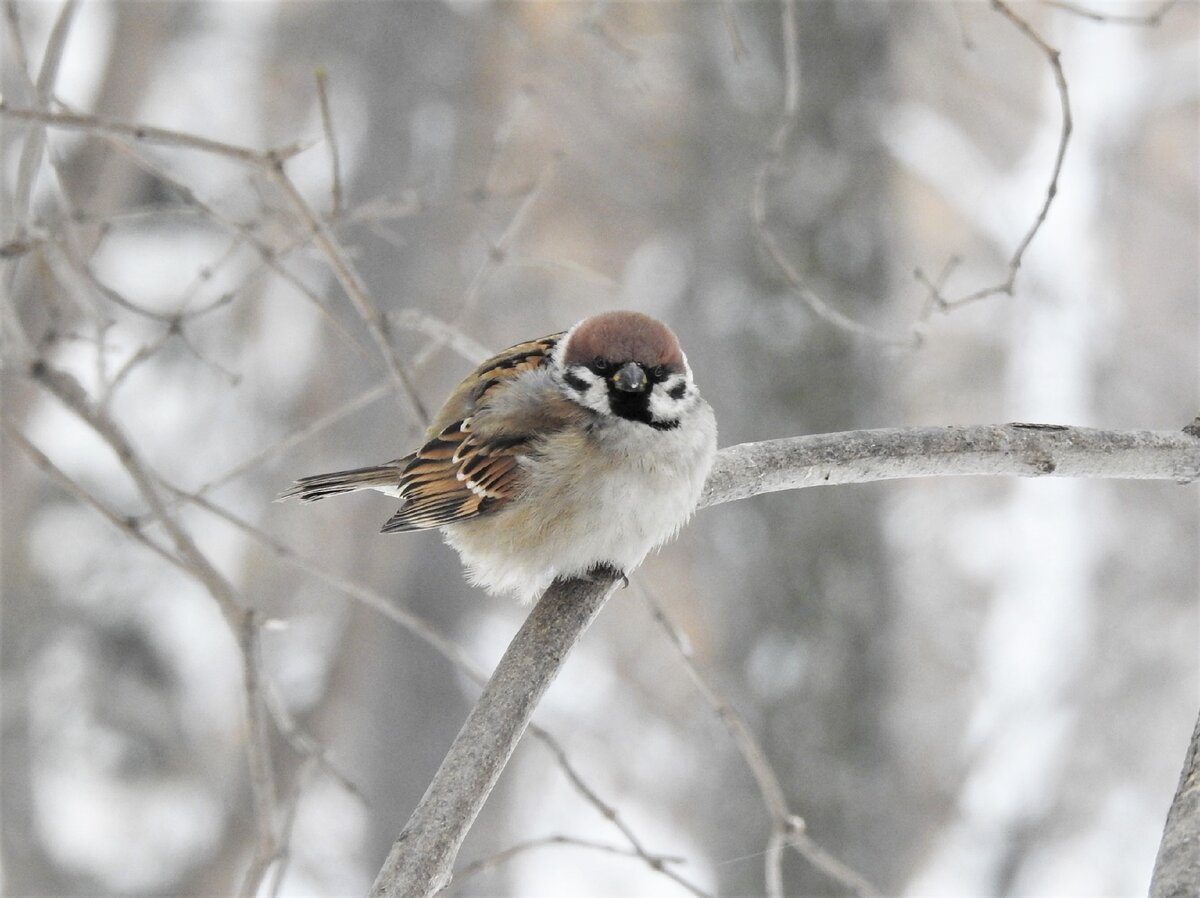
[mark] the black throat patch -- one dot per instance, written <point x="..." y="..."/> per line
<point x="636" y="407"/>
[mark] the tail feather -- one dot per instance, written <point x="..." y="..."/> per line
<point x="385" y="478"/>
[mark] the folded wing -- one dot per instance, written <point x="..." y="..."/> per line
<point x="456" y="475"/>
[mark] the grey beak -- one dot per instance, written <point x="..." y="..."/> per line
<point x="631" y="378"/>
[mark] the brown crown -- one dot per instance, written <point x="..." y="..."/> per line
<point x="624" y="337"/>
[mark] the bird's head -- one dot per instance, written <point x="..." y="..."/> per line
<point x="627" y="365"/>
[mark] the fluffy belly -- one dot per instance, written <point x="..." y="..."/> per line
<point x="570" y="528"/>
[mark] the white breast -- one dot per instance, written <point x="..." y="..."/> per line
<point x="607" y="497"/>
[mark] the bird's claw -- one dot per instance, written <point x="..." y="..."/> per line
<point x="606" y="572"/>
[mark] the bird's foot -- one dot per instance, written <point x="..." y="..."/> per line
<point x="606" y="573"/>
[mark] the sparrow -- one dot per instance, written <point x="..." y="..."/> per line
<point x="565" y="456"/>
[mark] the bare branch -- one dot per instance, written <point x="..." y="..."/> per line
<point x="938" y="300"/>
<point x="610" y="813"/>
<point x="1151" y="19"/>
<point x="1177" y="868"/>
<point x="12" y="18"/>
<point x="787" y="829"/>
<point x="491" y="863"/>
<point x="305" y="744"/>
<point x="352" y="284"/>
<point x="1027" y="450"/>
<point x="735" y="34"/>
<point x="31" y="152"/>
<point x="74" y="121"/>
<point x="421" y="859"/>
<point x="272" y="257"/>
<point x="796" y="838"/>
<point x="440" y="333"/>
<point x="262" y="775"/>
<point x="290" y="811"/>
<point x="496" y="252"/>
<point x="395" y="613"/>
<point x="335" y="177"/>
<point x="447" y="648"/>
<point x="758" y="203"/>
<point x="364" y="399"/>
<point x="124" y="523"/>
<point x="239" y="618"/>
<point x="69" y="392"/>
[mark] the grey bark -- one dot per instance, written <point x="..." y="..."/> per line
<point x="421" y="858"/>
<point x="1029" y="450"/>
<point x="1177" y="868"/>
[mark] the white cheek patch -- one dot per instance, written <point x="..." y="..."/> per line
<point x="596" y="398"/>
<point x="588" y="389"/>
<point x="669" y="398"/>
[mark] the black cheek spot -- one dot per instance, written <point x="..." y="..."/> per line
<point x="677" y="392"/>
<point x="575" y="382"/>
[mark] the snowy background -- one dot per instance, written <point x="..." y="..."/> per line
<point x="967" y="687"/>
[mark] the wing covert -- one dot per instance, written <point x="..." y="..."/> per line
<point x="455" y="475"/>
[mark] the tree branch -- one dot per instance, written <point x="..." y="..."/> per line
<point x="1027" y="450"/>
<point x="420" y="861"/>
<point x="421" y="858"/>
<point x="1177" y="868"/>
<point x="787" y="828"/>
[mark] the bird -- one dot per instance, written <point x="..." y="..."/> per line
<point x="573" y="455"/>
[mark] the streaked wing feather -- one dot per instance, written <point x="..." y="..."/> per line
<point x="454" y="476"/>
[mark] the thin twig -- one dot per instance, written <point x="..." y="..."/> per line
<point x="731" y="28"/>
<point x="290" y="811"/>
<point x="70" y="261"/>
<point x="272" y="257"/>
<point x="758" y="204"/>
<point x="369" y="597"/>
<point x="353" y="286"/>
<point x="364" y="399"/>
<point x="501" y="138"/>
<point x="72" y="395"/>
<point x="306" y="745"/>
<point x="518" y="260"/>
<point x="801" y="842"/>
<point x="335" y="177"/>
<point x="31" y="152"/>
<point x="441" y="333"/>
<point x="145" y="351"/>
<point x="262" y="774"/>
<point x="75" y="121"/>
<point x="126" y="524"/>
<point x="940" y="301"/>
<point x="1151" y="19"/>
<point x="787" y="829"/>
<point x="240" y="619"/>
<point x="502" y="857"/>
<point x="257" y="749"/>
<point x="23" y="65"/>
<point x="270" y="162"/>
<point x="40" y="91"/>
<point x="496" y="252"/>
<point x="610" y="813"/>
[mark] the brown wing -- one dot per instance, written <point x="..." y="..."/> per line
<point x="455" y="475"/>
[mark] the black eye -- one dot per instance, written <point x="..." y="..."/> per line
<point x="658" y="372"/>
<point x="600" y="365"/>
